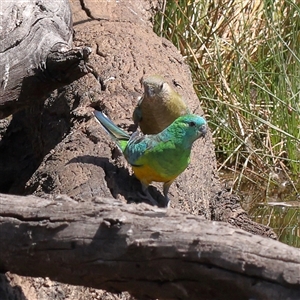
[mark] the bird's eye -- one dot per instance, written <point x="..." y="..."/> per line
<point x="192" y="124"/>
<point x="161" y="86"/>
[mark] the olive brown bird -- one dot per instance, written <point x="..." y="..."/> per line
<point x="159" y="106"/>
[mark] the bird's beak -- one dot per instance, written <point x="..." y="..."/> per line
<point x="149" y="91"/>
<point x="203" y="130"/>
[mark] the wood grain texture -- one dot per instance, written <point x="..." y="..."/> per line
<point x="36" y="54"/>
<point x="150" y="252"/>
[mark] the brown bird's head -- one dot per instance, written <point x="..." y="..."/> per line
<point x="156" y="86"/>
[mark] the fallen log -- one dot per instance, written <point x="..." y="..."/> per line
<point x="150" y="252"/>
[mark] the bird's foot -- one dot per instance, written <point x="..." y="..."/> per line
<point x="167" y="202"/>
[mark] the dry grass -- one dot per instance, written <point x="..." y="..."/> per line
<point x="245" y="61"/>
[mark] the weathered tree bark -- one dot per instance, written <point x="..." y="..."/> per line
<point x="36" y="55"/>
<point x="150" y="252"/>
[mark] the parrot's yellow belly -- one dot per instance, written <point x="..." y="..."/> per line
<point x="146" y="175"/>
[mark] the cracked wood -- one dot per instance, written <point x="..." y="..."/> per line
<point x="36" y="55"/>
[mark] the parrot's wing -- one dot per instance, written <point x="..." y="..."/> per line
<point x="139" y="145"/>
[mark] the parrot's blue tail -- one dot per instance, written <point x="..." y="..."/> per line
<point x="116" y="133"/>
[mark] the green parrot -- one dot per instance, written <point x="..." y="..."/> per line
<point x="159" y="106"/>
<point x="159" y="157"/>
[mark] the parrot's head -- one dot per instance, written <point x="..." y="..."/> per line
<point x="190" y="127"/>
<point x="156" y="86"/>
